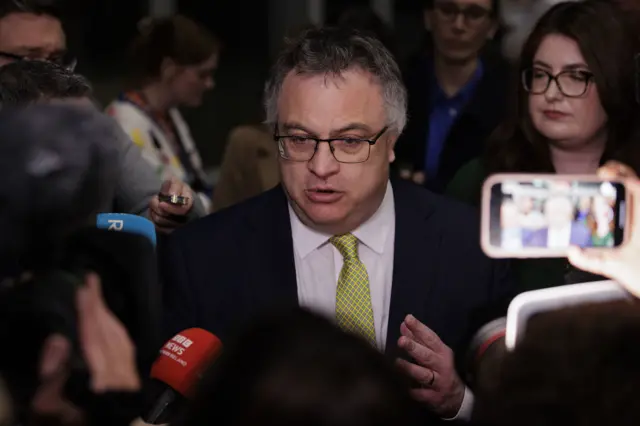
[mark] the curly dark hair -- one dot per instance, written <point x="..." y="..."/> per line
<point x="609" y="45"/>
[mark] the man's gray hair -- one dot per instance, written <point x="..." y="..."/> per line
<point x="26" y="82"/>
<point x="331" y="52"/>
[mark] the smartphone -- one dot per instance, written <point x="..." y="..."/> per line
<point x="534" y="216"/>
<point x="176" y="200"/>
<point x="530" y="303"/>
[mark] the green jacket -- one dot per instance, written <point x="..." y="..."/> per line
<point x="530" y="274"/>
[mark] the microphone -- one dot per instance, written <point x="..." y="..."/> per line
<point x="177" y="370"/>
<point x="130" y="223"/>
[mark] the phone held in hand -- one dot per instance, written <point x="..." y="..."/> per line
<point x="176" y="200"/>
<point x="535" y="216"/>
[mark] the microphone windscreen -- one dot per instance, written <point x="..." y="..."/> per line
<point x="130" y="223"/>
<point x="184" y="359"/>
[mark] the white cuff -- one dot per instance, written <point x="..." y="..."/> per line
<point x="466" y="409"/>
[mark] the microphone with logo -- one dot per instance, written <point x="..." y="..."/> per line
<point x="176" y="372"/>
<point x="121" y="222"/>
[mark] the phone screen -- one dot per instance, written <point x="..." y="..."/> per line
<point x="551" y="214"/>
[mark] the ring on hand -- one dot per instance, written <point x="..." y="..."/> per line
<point x="431" y="381"/>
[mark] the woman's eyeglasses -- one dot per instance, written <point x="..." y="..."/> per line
<point x="571" y="83"/>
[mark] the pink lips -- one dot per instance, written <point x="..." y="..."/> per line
<point x="323" y="195"/>
<point x="554" y="115"/>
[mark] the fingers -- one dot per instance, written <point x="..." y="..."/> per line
<point x="419" y="178"/>
<point x="425" y="376"/>
<point x="175" y="186"/>
<point x="616" y="170"/>
<point x="106" y="346"/>
<point x="597" y="261"/>
<point x="423" y="334"/>
<point x="404" y="331"/>
<point x="89" y="315"/>
<point x="55" y="354"/>
<point x="633" y="209"/>
<point x="423" y="355"/>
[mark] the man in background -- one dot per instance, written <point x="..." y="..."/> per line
<point x="456" y="92"/>
<point x="31" y="30"/>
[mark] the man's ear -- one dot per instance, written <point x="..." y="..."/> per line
<point x="391" y="146"/>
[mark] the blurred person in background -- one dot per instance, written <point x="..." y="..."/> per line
<point x="576" y="108"/>
<point x="32" y="30"/>
<point x="174" y="60"/>
<point x="519" y="17"/>
<point x="576" y="366"/>
<point x="28" y="81"/>
<point x="307" y="372"/>
<point x="601" y="222"/>
<point x="249" y="166"/>
<point x="364" y="18"/>
<point x="561" y="229"/>
<point x="250" y="163"/>
<point x="457" y="89"/>
<point x="77" y="362"/>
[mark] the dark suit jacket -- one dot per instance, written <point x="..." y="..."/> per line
<point x="224" y="269"/>
<point x="468" y="136"/>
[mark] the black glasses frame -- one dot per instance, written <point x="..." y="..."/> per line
<point x="279" y="139"/>
<point x="556" y="78"/>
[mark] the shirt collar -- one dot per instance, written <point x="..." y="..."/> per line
<point x="438" y="95"/>
<point x="373" y="233"/>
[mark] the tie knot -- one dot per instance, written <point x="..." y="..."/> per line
<point x="347" y="245"/>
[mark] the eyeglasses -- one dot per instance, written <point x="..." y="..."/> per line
<point x="572" y="84"/>
<point x="472" y="14"/>
<point x="344" y="150"/>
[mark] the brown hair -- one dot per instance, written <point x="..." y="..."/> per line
<point x="178" y="38"/>
<point x="608" y="45"/>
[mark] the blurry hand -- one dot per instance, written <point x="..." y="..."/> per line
<point x="621" y="264"/>
<point x="106" y="346"/>
<point x="167" y="217"/>
<point x="441" y="388"/>
<point x="419" y="177"/>
<point x="49" y="400"/>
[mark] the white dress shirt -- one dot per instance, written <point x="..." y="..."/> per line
<point x="559" y="237"/>
<point x="318" y="264"/>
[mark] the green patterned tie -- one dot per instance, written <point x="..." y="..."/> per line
<point x="354" y="312"/>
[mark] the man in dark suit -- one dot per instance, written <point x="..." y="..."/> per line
<point x="389" y="261"/>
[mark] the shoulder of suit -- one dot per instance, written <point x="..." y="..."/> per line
<point x="440" y="207"/>
<point x="233" y="219"/>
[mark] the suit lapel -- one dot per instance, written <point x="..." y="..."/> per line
<point x="272" y="281"/>
<point x="415" y="259"/>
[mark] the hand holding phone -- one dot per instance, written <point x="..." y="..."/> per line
<point x="621" y="264"/>
<point x="533" y="216"/>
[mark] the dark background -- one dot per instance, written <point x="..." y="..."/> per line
<point x="100" y="31"/>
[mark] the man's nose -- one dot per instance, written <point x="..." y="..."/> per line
<point x="459" y="22"/>
<point x="323" y="164"/>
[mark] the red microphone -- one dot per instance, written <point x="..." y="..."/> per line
<point x="178" y="369"/>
